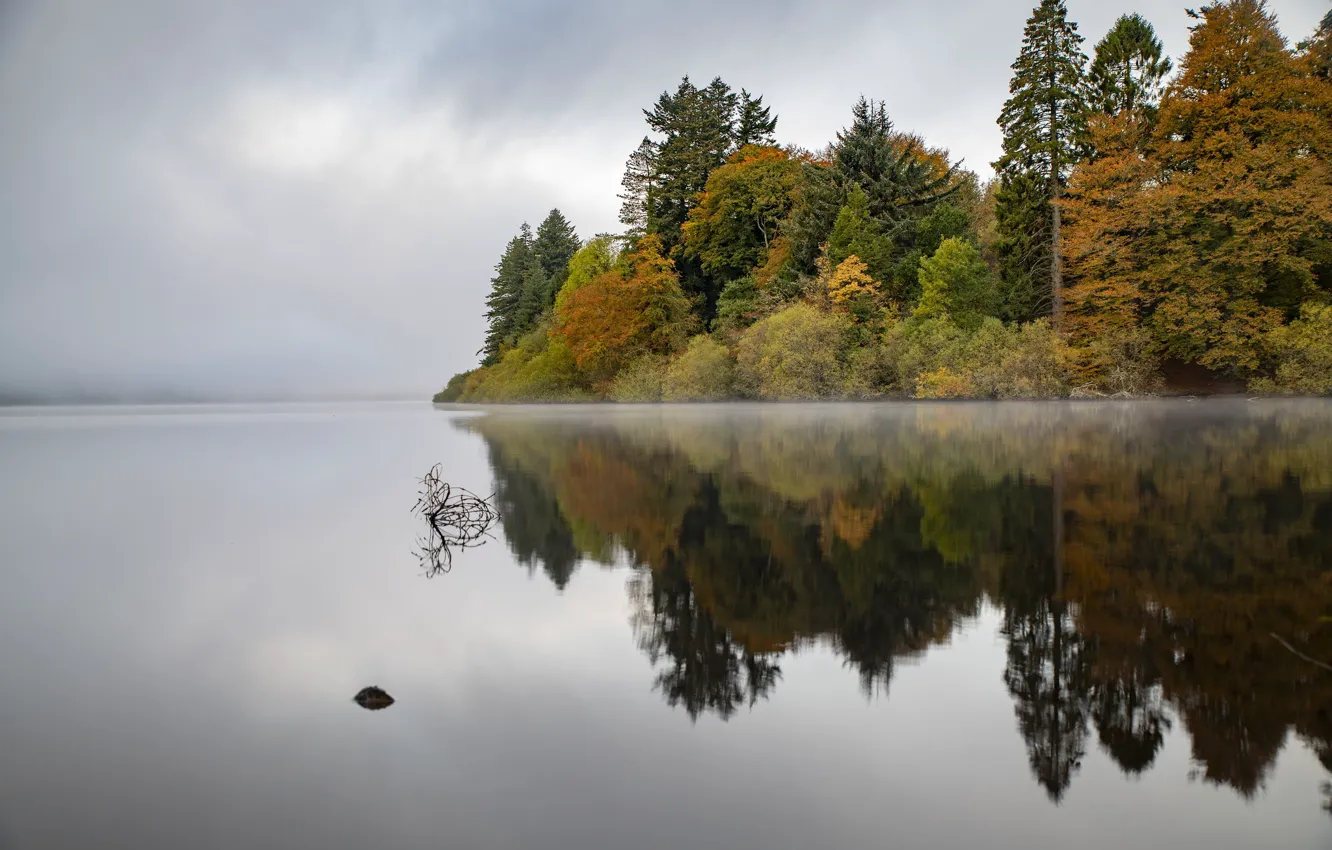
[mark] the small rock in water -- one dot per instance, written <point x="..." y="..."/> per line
<point x="373" y="698"/>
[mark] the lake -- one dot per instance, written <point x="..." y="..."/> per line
<point x="910" y="625"/>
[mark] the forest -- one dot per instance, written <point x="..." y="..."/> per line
<point x="1150" y="227"/>
<point x="1146" y="574"/>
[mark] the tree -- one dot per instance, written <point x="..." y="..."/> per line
<point x="1129" y="68"/>
<point x="503" y="305"/>
<point x="956" y="283"/>
<point x="636" y="196"/>
<point x="792" y="355"/>
<point x="1318" y="50"/>
<point x="595" y="258"/>
<point x="556" y="243"/>
<point x="1103" y="243"/>
<point x="625" y="313"/>
<point x="1241" y="213"/>
<point x="697" y="128"/>
<point x="903" y="182"/>
<point x="856" y="233"/>
<point x="754" y="125"/>
<point x="735" y="221"/>
<point x="1043" y="122"/>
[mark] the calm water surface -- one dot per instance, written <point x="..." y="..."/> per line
<point x="939" y="626"/>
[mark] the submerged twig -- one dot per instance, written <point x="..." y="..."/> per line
<point x="1300" y="654"/>
<point x="456" y="519"/>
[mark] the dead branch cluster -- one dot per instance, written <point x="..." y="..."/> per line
<point x="455" y="519"/>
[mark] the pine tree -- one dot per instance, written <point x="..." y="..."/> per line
<point x="903" y="183"/>
<point x="556" y="243"/>
<point x="754" y="125"/>
<point x="636" y="199"/>
<point x="504" y="304"/>
<point x="697" y="128"/>
<point x="1043" y="123"/>
<point x="1129" y="68"/>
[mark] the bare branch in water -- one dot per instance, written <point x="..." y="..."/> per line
<point x="455" y="519"/>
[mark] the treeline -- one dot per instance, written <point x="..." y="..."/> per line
<point x="1141" y="568"/>
<point x="1144" y="222"/>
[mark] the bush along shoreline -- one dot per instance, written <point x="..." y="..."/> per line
<point x="1151" y="227"/>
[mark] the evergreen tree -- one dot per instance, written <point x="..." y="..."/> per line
<point x="697" y="128"/>
<point x="856" y="233"/>
<point x="1043" y="124"/>
<point x="503" y="305"/>
<point x="903" y="184"/>
<point x="536" y="287"/>
<point x="754" y="125"/>
<point x="556" y="243"/>
<point x="636" y="199"/>
<point x="1129" y="68"/>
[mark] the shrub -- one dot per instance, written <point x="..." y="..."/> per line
<point x="454" y="389"/>
<point x="640" y="382"/>
<point x="702" y="373"/>
<point x="1120" y="363"/>
<point x="1301" y="354"/>
<point x="792" y="355"/>
<point x="537" y="369"/>
<point x="936" y="359"/>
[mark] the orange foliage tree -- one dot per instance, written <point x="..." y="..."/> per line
<point x="632" y="310"/>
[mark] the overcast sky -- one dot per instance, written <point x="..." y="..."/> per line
<point x="259" y="197"/>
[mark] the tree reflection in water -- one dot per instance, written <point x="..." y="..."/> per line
<point x="1142" y="555"/>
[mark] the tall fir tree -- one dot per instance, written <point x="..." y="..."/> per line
<point x="504" y="304"/>
<point x="696" y="126"/>
<point x="1043" y="123"/>
<point x="754" y="123"/>
<point x="903" y="183"/>
<point x="636" y="194"/>
<point x="556" y="243"/>
<point x="1129" y="68"/>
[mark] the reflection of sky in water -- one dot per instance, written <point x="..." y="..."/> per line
<point x="191" y="601"/>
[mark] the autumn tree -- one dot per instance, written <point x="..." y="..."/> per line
<point x="1042" y="121"/>
<point x="1129" y="68"/>
<point x="1241" y="217"/>
<point x="625" y="313"/>
<point x="735" y="222"/>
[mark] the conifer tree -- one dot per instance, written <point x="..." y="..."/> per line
<point x="1043" y="123"/>
<point x="697" y="128"/>
<point x="504" y="304"/>
<point x="636" y="197"/>
<point x="754" y="125"/>
<point x="556" y="243"/>
<point x="1129" y="68"/>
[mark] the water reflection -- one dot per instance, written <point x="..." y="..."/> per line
<point x="1143" y="556"/>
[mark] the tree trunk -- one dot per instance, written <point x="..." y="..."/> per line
<point x="1056" y="265"/>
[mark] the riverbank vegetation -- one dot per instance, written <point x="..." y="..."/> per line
<point x="1145" y="221"/>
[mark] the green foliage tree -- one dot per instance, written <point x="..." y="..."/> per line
<point x="902" y="180"/>
<point x="595" y="258"/>
<point x="1129" y="68"/>
<point x="504" y="304"/>
<point x="555" y="245"/>
<point x="856" y="232"/>
<point x="636" y="188"/>
<point x="792" y="355"/>
<point x="703" y="372"/>
<point x="735" y="221"/>
<point x="956" y="284"/>
<point x="1043" y="122"/>
<point x="754" y="123"/>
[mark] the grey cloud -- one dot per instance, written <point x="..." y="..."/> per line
<point x="307" y="196"/>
